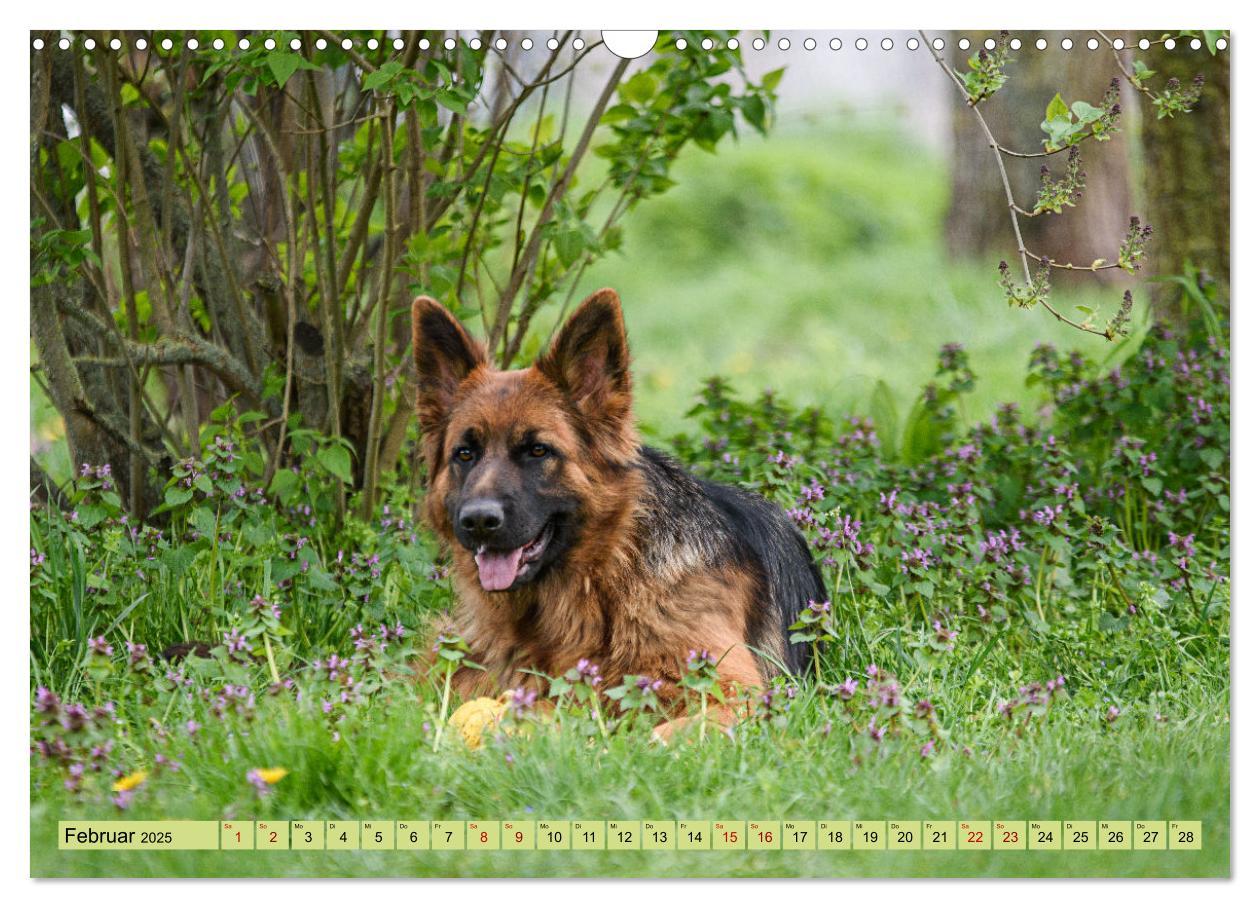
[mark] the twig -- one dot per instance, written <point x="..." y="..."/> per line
<point x="1129" y="77"/>
<point x="1068" y="266"/>
<point x="536" y="236"/>
<point x="371" y="464"/>
<point x="1006" y="187"/>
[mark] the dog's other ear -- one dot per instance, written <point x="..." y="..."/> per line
<point x="445" y="354"/>
<point x="590" y="362"/>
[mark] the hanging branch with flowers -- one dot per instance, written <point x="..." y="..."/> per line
<point x="1067" y="127"/>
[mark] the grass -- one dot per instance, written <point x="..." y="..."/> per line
<point x="1066" y="770"/>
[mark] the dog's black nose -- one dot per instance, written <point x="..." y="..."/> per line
<point x="481" y="516"/>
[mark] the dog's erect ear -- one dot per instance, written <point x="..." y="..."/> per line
<point x="590" y="359"/>
<point x="445" y="354"/>
<point x="590" y="362"/>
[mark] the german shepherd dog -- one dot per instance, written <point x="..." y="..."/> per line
<point x="572" y="540"/>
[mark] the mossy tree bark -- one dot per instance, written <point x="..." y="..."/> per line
<point x="1187" y="171"/>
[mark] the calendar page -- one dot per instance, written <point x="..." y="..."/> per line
<point x="567" y="453"/>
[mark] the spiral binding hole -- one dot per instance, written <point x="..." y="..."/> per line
<point x="783" y="43"/>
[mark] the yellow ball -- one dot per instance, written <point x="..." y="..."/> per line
<point x="474" y="717"/>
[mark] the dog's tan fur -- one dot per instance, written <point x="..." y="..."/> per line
<point x="602" y="603"/>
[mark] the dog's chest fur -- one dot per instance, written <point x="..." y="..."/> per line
<point x="651" y="577"/>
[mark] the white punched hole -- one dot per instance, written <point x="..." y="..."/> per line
<point x="116" y="44"/>
<point x="167" y="44"/>
<point x="270" y="44"/>
<point x="192" y="44"/>
<point x="500" y="44"/>
<point x="860" y="44"/>
<point x="912" y="44"/>
<point x="1117" y="44"/>
<point x="243" y="44"/>
<point x="938" y="44"/>
<point x="1066" y="44"/>
<point x="346" y="44"/>
<point x="759" y="43"/>
<point x="784" y="44"/>
<point x="295" y="44"/>
<point x="1221" y="44"/>
<point x="1042" y="44"/>
<point x="706" y="44"/>
<point x="963" y="44"/>
<point x="64" y="43"/>
<point x="989" y="44"/>
<point x="1144" y="44"/>
<point x="141" y="43"/>
<point x="681" y="44"/>
<point x="1170" y="44"/>
<point x="1016" y="44"/>
<point x="373" y="44"/>
<point x="38" y="44"/>
<point x="399" y="44"/>
<point x="732" y="44"/>
<point x="527" y="44"/>
<point x="578" y="44"/>
<point x="1092" y="44"/>
<point x="809" y="44"/>
<point x="475" y="43"/>
<point x="217" y="43"/>
<point x="553" y="43"/>
<point x="89" y="43"/>
<point x="449" y="44"/>
<point x="835" y="44"/>
<point x="424" y="43"/>
<point x="886" y="44"/>
<point x="320" y="44"/>
<point x="1195" y="43"/>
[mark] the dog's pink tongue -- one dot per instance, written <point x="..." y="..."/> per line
<point x="497" y="570"/>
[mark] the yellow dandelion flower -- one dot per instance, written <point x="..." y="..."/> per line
<point x="126" y="783"/>
<point x="271" y="776"/>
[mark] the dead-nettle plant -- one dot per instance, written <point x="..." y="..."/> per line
<point x="1067" y="127"/>
<point x="210" y="223"/>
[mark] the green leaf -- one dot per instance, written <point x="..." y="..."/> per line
<point x="453" y="102"/>
<point x="382" y="76"/>
<point x="284" y="63"/>
<point x="90" y="515"/>
<point x="177" y="495"/>
<point x="203" y="521"/>
<point x="336" y="460"/>
<point x="570" y="244"/>
<point x="639" y="88"/>
<point x="1057" y="109"/>
<point x="1086" y="112"/>
<point x="770" y="81"/>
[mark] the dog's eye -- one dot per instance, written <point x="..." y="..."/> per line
<point x="464" y="454"/>
<point x="538" y="450"/>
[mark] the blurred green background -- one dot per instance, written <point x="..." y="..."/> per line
<point x="814" y="262"/>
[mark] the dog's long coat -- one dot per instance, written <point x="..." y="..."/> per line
<point x="573" y="541"/>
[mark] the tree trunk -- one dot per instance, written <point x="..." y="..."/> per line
<point x="1187" y="169"/>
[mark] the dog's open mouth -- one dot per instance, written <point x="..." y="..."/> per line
<point x="499" y="570"/>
